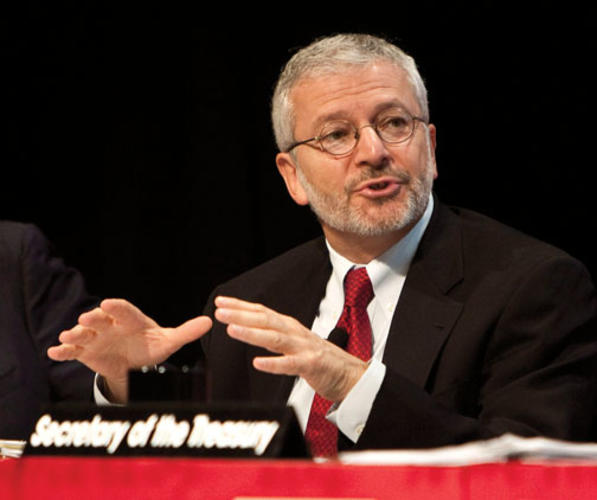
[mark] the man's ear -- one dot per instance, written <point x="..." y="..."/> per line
<point x="432" y="146"/>
<point x="287" y="168"/>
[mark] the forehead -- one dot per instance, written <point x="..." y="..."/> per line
<point x="352" y="93"/>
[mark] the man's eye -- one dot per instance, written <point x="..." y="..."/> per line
<point x="337" y="134"/>
<point x="396" y="122"/>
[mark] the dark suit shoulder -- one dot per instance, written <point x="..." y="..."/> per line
<point x="8" y="227"/>
<point x="297" y="265"/>
<point x="496" y="245"/>
<point x="17" y="239"/>
<point x="20" y="241"/>
<point x="463" y="250"/>
<point x="12" y="235"/>
<point x="519" y="281"/>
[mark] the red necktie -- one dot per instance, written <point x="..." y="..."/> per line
<point x="321" y="434"/>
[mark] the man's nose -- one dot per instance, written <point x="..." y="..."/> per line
<point x="370" y="149"/>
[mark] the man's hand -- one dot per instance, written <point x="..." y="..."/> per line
<point x="329" y="370"/>
<point x="116" y="337"/>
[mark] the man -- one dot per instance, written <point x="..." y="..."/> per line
<point x="458" y="328"/>
<point x="39" y="297"/>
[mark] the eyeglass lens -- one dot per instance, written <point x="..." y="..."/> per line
<point x="340" y="136"/>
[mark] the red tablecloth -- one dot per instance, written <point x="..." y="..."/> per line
<point x="149" y="478"/>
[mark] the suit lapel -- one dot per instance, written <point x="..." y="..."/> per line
<point x="298" y="296"/>
<point x="425" y="315"/>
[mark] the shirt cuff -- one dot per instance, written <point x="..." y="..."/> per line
<point x="100" y="398"/>
<point x="350" y="416"/>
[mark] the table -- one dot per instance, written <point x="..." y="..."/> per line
<point x="163" y="478"/>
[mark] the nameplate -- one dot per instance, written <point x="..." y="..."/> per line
<point x="215" y="430"/>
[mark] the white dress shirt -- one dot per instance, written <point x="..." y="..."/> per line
<point x="387" y="273"/>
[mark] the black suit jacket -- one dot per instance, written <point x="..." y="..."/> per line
<point x="39" y="297"/>
<point x="494" y="332"/>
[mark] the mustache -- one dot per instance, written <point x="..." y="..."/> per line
<point x="372" y="173"/>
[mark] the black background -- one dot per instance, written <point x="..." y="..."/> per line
<point x="138" y="137"/>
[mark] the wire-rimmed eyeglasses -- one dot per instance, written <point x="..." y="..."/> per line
<point x="340" y="137"/>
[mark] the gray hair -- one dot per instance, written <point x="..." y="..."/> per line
<point x="332" y="55"/>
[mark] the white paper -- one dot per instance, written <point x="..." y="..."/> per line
<point x="500" y="449"/>
<point x="11" y="448"/>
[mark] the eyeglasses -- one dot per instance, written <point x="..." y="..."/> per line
<point x="340" y="137"/>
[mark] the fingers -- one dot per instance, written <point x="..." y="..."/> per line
<point x="79" y="335"/>
<point x="328" y="369"/>
<point x="96" y="319"/>
<point x="238" y="312"/>
<point x="73" y="343"/>
<point x="126" y="313"/>
<point x="271" y="340"/>
<point x="278" y="365"/>
<point x="258" y="325"/>
<point x="234" y="303"/>
<point x="64" y="352"/>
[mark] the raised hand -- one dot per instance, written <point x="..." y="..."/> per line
<point x="329" y="370"/>
<point x="117" y="336"/>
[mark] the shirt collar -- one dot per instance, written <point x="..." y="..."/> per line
<point x="390" y="267"/>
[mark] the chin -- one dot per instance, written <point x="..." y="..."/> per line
<point x="376" y="221"/>
<point x="369" y="218"/>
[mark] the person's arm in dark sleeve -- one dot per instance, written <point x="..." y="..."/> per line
<point x="54" y="297"/>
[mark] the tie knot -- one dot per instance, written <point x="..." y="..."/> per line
<point x="358" y="290"/>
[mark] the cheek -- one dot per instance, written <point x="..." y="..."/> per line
<point x="325" y="175"/>
<point x="418" y="159"/>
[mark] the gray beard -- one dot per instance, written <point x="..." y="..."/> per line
<point x="335" y="211"/>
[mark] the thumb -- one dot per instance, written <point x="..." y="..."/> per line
<point x="193" y="329"/>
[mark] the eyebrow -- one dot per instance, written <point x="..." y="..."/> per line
<point x="343" y="115"/>
<point x="337" y="115"/>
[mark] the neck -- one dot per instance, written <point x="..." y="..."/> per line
<point x="362" y="249"/>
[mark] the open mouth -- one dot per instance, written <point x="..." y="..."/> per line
<point x="378" y="186"/>
<point x="383" y="187"/>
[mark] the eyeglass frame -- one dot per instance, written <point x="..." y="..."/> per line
<point x="357" y="135"/>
